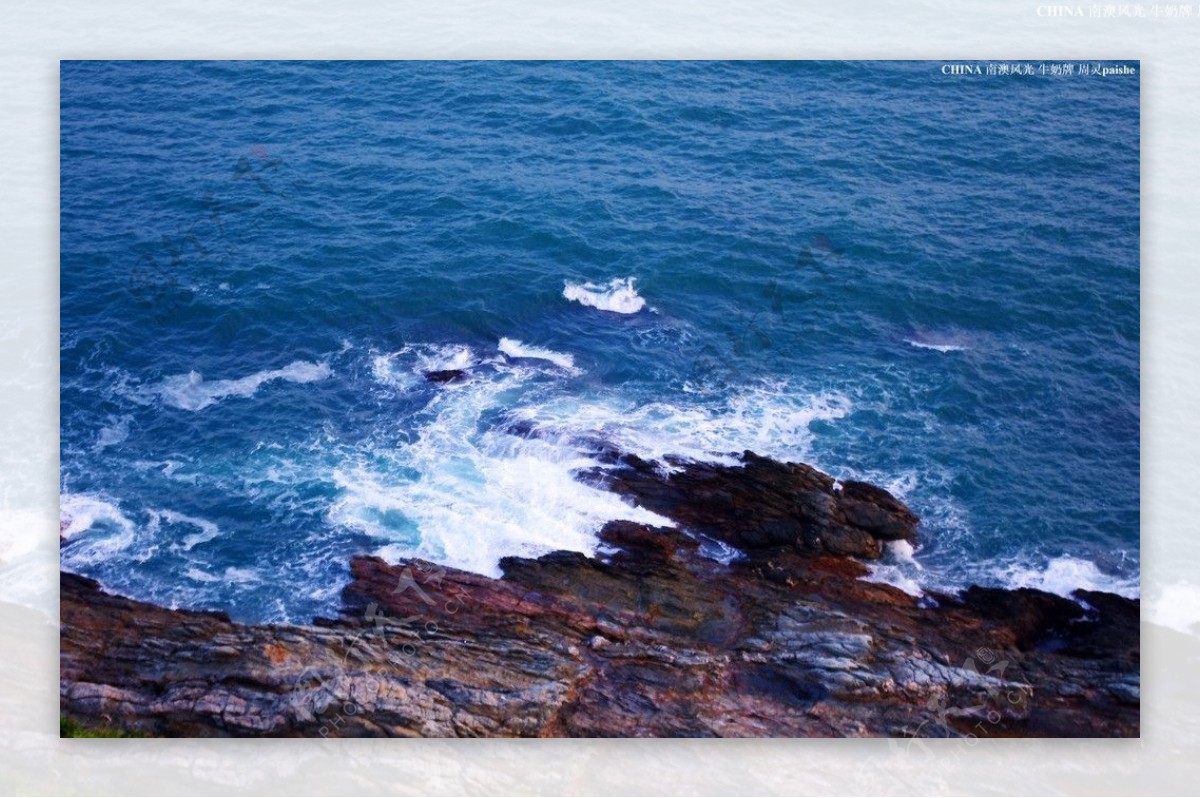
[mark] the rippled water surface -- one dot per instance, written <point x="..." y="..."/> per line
<point x="926" y="281"/>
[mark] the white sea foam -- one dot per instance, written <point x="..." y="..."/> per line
<point x="898" y="568"/>
<point x="386" y="372"/>
<point x="192" y="392"/>
<point x="241" y="576"/>
<point x="948" y="526"/>
<point x="115" y="432"/>
<point x="516" y="349"/>
<point x="197" y="575"/>
<point x="208" y="530"/>
<point x="771" y="420"/>
<point x="900" y="485"/>
<point x="231" y="576"/>
<point x="902" y="551"/>
<point x="1064" y="574"/>
<point x="110" y="533"/>
<point x="79" y="512"/>
<point x="443" y="357"/>
<point x="617" y="295"/>
<point x="466" y="493"/>
<point x="406" y="368"/>
<point x="895" y="576"/>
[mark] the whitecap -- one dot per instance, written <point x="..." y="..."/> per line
<point x="617" y="295"/>
<point x="895" y="576"/>
<point x="939" y="340"/>
<point x="937" y="347"/>
<point x="195" y="574"/>
<point x="516" y="349"/>
<point x="383" y="369"/>
<point x="192" y="392"/>
<point x="450" y="357"/>
<point x="902" y="552"/>
<point x="231" y="575"/>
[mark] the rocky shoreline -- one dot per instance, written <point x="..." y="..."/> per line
<point x="651" y="637"/>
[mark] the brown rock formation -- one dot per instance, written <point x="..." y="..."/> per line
<point x="652" y="639"/>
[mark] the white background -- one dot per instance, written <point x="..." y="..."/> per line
<point x="35" y="35"/>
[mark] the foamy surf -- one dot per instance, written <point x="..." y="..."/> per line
<point x="770" y="420"/>
<point x="207" y="529"/>
<point x="467" y="493"/>
<point x="196" y="575"/>
<point x="898" y="568"/>
<point x="516" y="349"/>
<point x="406" y="368"/>
<point x="1066" y="574"/>
<point x="192" y="392"/>
<point x="109" y="532"/>
<point x="80" y="512"/>
<point x="616" y="296"/>
<point x="448" y="357"/>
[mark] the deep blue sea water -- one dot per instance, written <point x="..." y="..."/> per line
<point x="927" y="281"/>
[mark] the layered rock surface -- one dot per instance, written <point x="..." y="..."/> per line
<point x="650" y="637"/>
<point x="762" y="503"/>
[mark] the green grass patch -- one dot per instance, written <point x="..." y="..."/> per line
<point x="68" y="727"/>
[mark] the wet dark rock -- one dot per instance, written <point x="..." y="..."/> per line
<point x="447" y="375"/>
<point x="1033" y="616"/>
<point x="763" y="503"/>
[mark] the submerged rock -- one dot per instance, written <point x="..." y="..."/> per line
<point x="652" y="639"/>
<point x="447" y="375"/>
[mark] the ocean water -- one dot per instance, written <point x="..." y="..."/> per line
<point x="927" y="281"/>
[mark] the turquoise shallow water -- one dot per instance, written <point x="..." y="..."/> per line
<point x="926" y="281"/>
